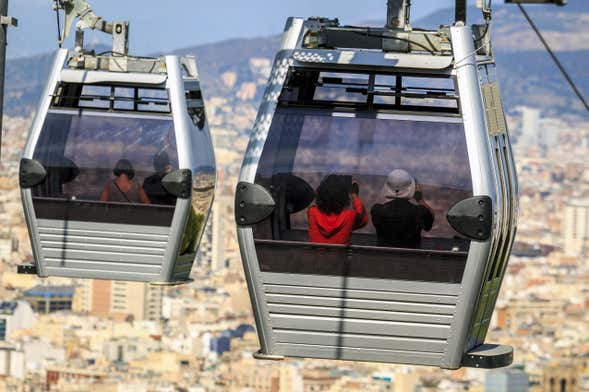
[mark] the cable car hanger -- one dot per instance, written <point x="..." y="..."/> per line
<point x="118" y="173"/>
<point x="118" y="59"/>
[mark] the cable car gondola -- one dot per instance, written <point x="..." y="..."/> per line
<point x="370" y="105"/>
<point x="118" y="173"/>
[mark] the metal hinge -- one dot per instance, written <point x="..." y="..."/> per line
<point x="178" y="183"/>
<point x="253" y="204"/>
<point x="31" y="173"/>
<point x="472" y="217"/>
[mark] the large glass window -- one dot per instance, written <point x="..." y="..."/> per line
<point x="103" y="167"/>
<point x="408" y="171"/>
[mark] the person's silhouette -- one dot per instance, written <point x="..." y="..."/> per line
<point x="398" y="221"/>
<point x="124" y="189"/>
<point x="153" y="184"/>
<point x="331" y="221"/>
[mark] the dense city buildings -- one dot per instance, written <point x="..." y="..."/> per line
<point x="49" y="299"/>
<point x="575" y="227"/>
<point x="15" y="315"/>
<point x="91" y="335"/>
<point x="138" y="300"/>
<point x="507" y="380"/>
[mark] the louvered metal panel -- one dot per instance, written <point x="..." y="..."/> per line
<point x="359" y="354"/>
<point x="102" y="251"/>
<point x="349" y="323"/>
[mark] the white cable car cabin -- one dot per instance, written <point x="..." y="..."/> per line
<point x="118" y="173"/>
<point x="360" y="103"/>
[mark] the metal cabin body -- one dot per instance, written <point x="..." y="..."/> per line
<point x="427" y="305"/>
<point x="80" y="224"/>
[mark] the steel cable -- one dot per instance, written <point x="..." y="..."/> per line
<point x="558" y="63"/>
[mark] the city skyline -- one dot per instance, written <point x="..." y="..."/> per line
<point x="75" y="335"/>
<point x="205" y="327"/>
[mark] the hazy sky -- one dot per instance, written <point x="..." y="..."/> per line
<point x="171" y="24"/>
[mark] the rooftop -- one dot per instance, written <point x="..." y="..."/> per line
<point x="578" y="202"/>
<point x="50" y="291"/>
<point x="8" y="307"/>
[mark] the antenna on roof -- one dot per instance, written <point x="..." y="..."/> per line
<point x="460" y="11"/>
<point x="398" y="13"/>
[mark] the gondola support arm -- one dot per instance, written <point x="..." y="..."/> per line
<point x="81" y="11"/>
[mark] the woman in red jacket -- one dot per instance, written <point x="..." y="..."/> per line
<point x="331" y="220"/>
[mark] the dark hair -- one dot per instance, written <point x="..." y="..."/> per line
<point x="332" y="195"/>
<point x="161" y="161"/>
<point x="125" y="167"/>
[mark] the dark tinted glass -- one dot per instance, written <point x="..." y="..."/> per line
<point x="369" y="92"/>
<point x="105" y="167"/>
<point x="111" y="98"/>
<point x="304" y="147"/>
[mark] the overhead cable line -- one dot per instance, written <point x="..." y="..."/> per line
<point x="58" y="23"/>
<point x="558" y="63"/>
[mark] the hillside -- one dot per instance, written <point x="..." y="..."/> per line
<point x="527" y="75"/>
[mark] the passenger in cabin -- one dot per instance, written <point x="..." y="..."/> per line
<point x="124" y="189"/>
<point x="403" y="214"/>
<point x="153" y="184"/>
<point x="337" y="212"/>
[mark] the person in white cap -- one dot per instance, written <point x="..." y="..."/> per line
<point x="403" y="213"/>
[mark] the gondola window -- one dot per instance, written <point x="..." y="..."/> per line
<point x="305" y="146"/>
<point x="83" y="151"/>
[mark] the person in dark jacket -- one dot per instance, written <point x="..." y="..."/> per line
<point x="399" y="222"/>
<point x="331" y="220"/>
<point x="153" y="184"/>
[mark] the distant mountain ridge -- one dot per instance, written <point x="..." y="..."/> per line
<point x="526" y="73"/>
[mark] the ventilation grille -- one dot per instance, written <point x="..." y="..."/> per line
<point x="84" y="250"/>
<point x="494" y="109"/>
<point x="359" y="324"/>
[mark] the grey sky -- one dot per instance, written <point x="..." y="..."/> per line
<point x="165" y="25"/>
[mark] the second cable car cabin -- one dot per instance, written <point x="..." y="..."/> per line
<point x="355" y="103"/>
<point x="118" y="173"/>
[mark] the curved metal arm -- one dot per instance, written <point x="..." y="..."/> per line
<point x="87" y="19"/>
